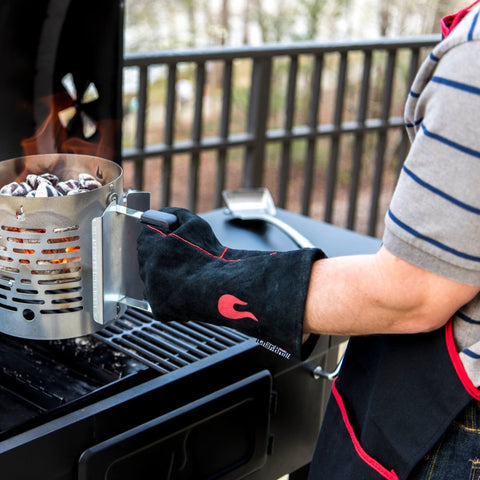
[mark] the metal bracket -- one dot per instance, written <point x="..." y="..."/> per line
<point x="116" y="280"/>
<point x="319" y="372"/>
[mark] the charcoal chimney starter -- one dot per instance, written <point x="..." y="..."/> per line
<point x="47" y="277"/>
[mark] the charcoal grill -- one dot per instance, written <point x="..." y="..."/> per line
<point x="142" y="398"/>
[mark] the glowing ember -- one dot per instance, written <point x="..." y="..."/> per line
<point x="63" y="239"/>
<point x="61" y="250"/>
<point x="58" y="261"/>
<point x="23" y="230"/>
<point x="22" y="250"/>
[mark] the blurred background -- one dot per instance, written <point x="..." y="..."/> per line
<point x="166" y="24"/>
<point x="158" y="31"/>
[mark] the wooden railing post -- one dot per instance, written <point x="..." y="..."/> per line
<point x="257" y="122"/>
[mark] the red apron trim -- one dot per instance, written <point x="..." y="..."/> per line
<point x="457" y="362"/>
<point x="371" y="462"/>
<point x="448" y="23"/>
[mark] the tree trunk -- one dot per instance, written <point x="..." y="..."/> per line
<point x="384" y="17"/>
<point x="225" y="15"/>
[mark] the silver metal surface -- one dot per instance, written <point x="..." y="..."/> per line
<point x="116" y="279"/>
<point x="257" y="204"/>
<point x="46" y="287"/>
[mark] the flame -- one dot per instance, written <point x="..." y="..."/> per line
<point x="62" y="250"/>
<point x="59" y="261"/>
<point x="52" y="136"/>
<point x="56" y="251"/>
<point x="23" y="230"/>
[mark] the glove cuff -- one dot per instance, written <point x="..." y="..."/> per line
<point x="264" y="296"/>
<point x="286" y="283"/>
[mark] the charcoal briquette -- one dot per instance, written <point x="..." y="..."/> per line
<point x="88" y="181"/>
<point x="67" y="186"/>
<point x="46" y="190"/>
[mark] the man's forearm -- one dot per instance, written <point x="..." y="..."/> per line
<point x="370" y="294"/>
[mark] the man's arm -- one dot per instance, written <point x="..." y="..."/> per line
<point x="371" y="294"/>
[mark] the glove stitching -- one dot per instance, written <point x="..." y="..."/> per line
<point x="174" y="235"/>
<point x="156" y="230"/>
<point x="219" y="257"/>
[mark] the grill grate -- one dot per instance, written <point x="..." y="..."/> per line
<point x="40" y="376"/>
<point x="166" y="347"/>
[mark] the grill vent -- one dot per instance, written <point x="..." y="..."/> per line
<point x="167" y="346"/>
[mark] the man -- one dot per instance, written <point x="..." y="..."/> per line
<point x="405" y="403"/>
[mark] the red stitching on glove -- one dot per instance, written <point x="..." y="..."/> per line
<point x="174" y="235"/>
<point x="156" y="230"/>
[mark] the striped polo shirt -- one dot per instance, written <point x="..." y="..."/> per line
<point x="434" y="216"/>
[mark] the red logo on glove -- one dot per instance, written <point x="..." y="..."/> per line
<point x="226" y="308"/>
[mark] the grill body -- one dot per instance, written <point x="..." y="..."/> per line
<point x="143" y="399"/>
<point x="237" y="412"/>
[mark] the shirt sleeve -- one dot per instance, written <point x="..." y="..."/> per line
<point x="434" y="217"/>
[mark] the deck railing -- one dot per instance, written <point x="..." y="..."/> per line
<point x="319" y="124"/>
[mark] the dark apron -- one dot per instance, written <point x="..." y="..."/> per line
<point x="395" y="397"/>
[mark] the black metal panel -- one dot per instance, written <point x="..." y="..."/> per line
<point x="223" y="435"/>
<point x="41" y="41"/>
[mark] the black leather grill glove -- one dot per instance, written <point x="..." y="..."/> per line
<point x="190" y="276"/>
